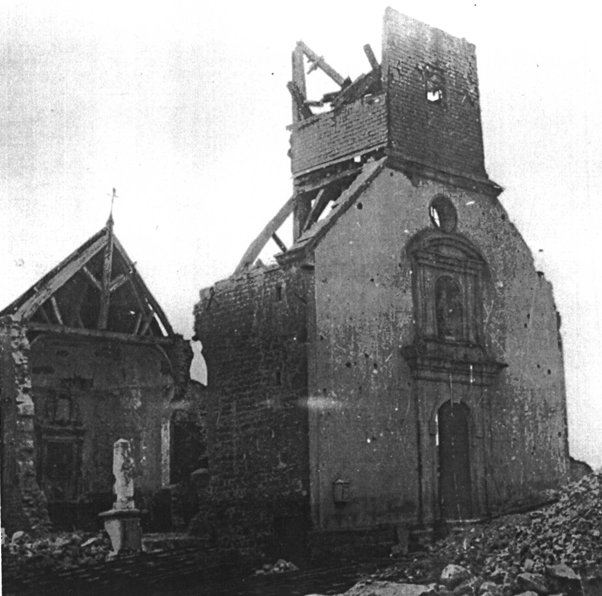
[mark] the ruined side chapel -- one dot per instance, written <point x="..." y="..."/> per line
<point x="400" y="365"/>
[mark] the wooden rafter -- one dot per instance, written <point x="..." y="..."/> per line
<point x="279" y="242"/>
<point x="319" y="62"/>
<point x="319" y="205"/>
<point x="272" y="226"/>
<point x="63" y="275"/>
<point x="105" y="291"/>
<point x="55" y="309"/>
<point x="371" y="57"/>
<point x="140" y="282"/>
<point x="91" y="278"/>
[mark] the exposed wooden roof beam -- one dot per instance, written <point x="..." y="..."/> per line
<point x="319" y="205"/>
<point x="301" y="108"/>
<point x="54" y="283"/>
<point x="105" y="292"/>
<point x="371" y="57"/>
<point x="139" y="281"/>
<point x="272" y="226"/>
<point x="91" y="278"/>
<point x="279" y="242"/>
<point x="96" y="333"/>
<point x="55" y="310"/>
<point x="319" y="62"/>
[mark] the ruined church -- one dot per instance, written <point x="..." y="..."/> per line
<point x="400" y="365"/>
<point x="87" y="357"/>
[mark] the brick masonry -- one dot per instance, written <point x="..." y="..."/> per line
<point x="254" y="334"/>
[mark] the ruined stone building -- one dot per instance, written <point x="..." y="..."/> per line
<point x="400" y="364"/>
<point x="87" y="357"/>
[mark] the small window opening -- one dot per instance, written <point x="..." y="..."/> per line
<point x="434" y="84"/>
<point x="278" y="291"/>
<point x="443" y="214"/>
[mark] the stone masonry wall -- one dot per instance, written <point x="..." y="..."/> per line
<point x="106" y="390"/>
<point x="254" y="332"/>
<point x="23" y="503"/>
<point x="364" y="316"/>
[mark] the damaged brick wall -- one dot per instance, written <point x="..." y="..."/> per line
<point x="254" y="333"/>
<point x="88" y="393"/>
<point x="444" y="133"/>
<point x="23" y="503"/>
<point x="342" y="133"/>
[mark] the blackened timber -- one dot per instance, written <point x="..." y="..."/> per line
<point x="302" y="110"/>
<point x="279" y="242"/>
<point x="298" y="81"/>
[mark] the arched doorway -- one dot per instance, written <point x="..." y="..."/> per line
<point x="453" y="444"/>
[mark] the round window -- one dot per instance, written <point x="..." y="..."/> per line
<point x="443" y="214"/>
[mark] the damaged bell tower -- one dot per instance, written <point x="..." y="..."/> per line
<point x="401" y="364"/>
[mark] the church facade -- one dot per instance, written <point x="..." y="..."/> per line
<point x="400" y="365"/>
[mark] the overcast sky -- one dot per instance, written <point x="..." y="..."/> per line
<point x="183" y="107"/>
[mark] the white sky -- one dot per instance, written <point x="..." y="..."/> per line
<point x="183" y="106"/>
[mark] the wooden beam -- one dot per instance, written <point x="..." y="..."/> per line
<point x="105" y="292"/>
<point x="371" y="57"/>
<point x="272" y="226"/>
<point x="147" y="322"/>
<point x="319" y="205"/>
<point x="279" y="242"/>
<point x="319" y="62"/>
<point x="91" y="278"/>
<point x="298" y="80"/>
<point x="138" y="323"/>
<point x="138" y="281"/>
<point x="44" y="313"/>
<point x="63" y="276"/>
<point x="55" y="310"/>
<point x="97" y="334"/>
<point x="302" y="110"/>
<point x="119" y="281"/>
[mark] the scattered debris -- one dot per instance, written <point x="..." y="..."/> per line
<point x="280" y="566"/>
<point x="63" y="550"/>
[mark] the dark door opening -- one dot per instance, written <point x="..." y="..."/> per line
<point x="455" y="491"/>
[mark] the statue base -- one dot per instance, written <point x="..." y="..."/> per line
<point x="123" y="528"/>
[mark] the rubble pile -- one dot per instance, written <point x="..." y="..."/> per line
<point x="64" y="550"/>
<point x="520" y="553"/>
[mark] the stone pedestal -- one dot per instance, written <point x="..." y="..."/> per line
<point x="122" y="523"/>
<point x="123" y="528"/>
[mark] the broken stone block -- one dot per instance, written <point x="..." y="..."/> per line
<point x="490" y="589"/>
<point x="532" y="581"/>
<point x="453" y="575"/>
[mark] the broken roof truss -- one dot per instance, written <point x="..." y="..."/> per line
<point x="95" y="291"/>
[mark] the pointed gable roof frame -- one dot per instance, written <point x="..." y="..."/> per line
<point x="104" y="241"/>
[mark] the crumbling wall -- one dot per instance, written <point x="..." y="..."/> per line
<point x="254" y="332"/>
<point x="338" y="134"/>
<point x="92" y="392"/>
<point x="446" y="133"/>
<point x="23" y="503"/>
